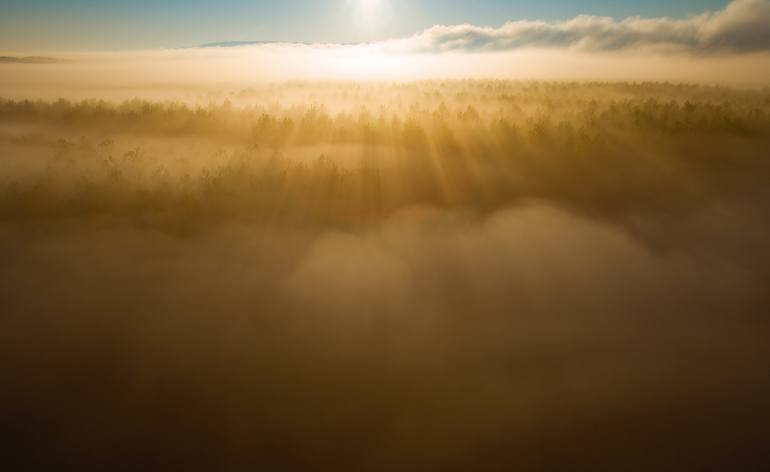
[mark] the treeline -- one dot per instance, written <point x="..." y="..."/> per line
<point x="389" y="114"/>
<point x="357" y="153"/>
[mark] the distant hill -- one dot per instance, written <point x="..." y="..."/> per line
<point x="29" y="60"/>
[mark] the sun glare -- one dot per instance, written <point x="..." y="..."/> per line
<point x="369" y="14"/>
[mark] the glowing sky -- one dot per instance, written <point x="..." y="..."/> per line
<point x="60" y="25"/>
<point x="52" y="45"/>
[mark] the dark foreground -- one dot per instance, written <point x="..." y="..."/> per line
<point x="483" y="288"/>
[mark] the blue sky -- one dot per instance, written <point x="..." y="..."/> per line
<point x="55" y="25"/>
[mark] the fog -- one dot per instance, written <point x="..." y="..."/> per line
<point x="453" y="275"/>
<point x="526" y="339"/>
<point x="186" y="74"/>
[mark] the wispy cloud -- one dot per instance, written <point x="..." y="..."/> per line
<point x="742" y="26"/>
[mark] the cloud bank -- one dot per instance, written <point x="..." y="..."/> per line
<point x="742" y="26"/>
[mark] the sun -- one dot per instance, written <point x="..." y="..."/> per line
<point x="368" y="14"/>
<point x="370" y="4"/>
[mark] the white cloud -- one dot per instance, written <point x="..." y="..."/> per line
<point x="742" y="26"/>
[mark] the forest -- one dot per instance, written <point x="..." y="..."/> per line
<point x="430" y="275"/>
